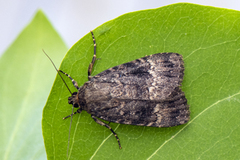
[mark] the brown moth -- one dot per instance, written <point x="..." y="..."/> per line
<point x="143" y="92"/>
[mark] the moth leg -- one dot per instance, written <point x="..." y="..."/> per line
<point x="78" y="111"/>
<point x="93" y="59"/>
<point x="106" y="125"/>
<point x="73" y="81"/>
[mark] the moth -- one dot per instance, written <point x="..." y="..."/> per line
<point x="143" y="92"/>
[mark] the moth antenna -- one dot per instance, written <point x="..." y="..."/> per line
<point x="68" y="90"/>
<point x="57" y="70"/>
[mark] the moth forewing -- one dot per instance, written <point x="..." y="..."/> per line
<point x="143" y="92"/>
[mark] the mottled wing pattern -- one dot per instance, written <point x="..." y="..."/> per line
<point x="141" y="92"/>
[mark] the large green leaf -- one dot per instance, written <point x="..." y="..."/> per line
<point x="26" y="79"/>
<point x="208" y="39"/>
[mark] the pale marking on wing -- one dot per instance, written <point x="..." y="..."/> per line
<point x="219" y="101"/>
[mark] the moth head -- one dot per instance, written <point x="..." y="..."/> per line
<point x="74" y="100"/>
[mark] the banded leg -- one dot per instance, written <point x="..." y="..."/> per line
<point x="73" y="81"/>
<point x="106" y="125"/>
<point x="78" y="111"/>
<point x="93" y="59"/>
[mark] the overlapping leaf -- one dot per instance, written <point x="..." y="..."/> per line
<point x="26" y="79"/>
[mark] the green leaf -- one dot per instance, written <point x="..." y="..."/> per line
<point x="26" y="79"/>
<point x="208" y="39"/>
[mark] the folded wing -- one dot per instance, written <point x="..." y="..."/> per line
<point x="141" y="92"/>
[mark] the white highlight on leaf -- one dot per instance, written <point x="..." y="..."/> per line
<point x="103" y="142"/>
<point x="219" y="101"/>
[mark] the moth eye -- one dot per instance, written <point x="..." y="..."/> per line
<point x="75" y="105"/>
<point x="74" y="93"/>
